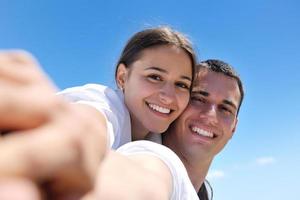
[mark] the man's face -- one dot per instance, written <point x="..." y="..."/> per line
<point x="210" y="119"/>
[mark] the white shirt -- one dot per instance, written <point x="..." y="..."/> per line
<point x="182" y="187"/>
<point x="110" y="103"/>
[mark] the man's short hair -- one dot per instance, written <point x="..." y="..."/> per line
<point x="226" y="69"/>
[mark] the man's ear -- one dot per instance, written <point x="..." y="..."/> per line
<point x="234" y="127"/>
<point x="121" y="75"/>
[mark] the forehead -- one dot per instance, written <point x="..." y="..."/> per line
<point x="168" y="57"/>
<point x="217" y="85"/>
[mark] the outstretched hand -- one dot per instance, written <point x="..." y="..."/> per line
<point x="47" y="140"/>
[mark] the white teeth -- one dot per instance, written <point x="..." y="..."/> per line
<point x="159" y="109"/>
<point x="202" y="132"/>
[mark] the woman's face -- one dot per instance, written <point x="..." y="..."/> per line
<point x="156" y="88"/>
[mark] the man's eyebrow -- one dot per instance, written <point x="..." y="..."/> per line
<point x="165" y="71"/>
<point x="206" y="94"/>
<point x="230" y="103"/>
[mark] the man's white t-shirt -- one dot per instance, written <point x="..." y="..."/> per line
<point x="110" y="103"/>
<point x="182" y="186"/>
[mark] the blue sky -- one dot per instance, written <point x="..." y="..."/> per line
<point x="79" y="42"/>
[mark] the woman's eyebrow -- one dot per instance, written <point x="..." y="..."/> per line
<point x="157" y="69"/>
<point x="165" y="71"/>
<point x="186" y="78"/>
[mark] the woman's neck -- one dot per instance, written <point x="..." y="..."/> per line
<point x="138" y="131"/>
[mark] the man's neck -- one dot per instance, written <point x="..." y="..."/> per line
<point x="197" y="167"/>
<point x="197" y="171"/>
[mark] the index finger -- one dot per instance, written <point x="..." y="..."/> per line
<point x="19" y="66"/>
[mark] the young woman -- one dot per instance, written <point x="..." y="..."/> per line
<point x="154" y="76"/>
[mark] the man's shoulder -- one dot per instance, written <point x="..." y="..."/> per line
<point x="147" y="147"/>
<point x="158" y="151"/>
<point x="182" y="187"/>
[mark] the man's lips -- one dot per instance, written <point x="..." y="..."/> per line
<point x="202" y="132"/>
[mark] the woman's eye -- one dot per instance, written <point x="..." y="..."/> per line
<point x="183" y="85"/>
<point x="154" y="77"/>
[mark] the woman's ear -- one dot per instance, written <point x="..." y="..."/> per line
<point x="121" y="75"/>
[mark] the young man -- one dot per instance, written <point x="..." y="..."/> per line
<point x="199" y="134"/>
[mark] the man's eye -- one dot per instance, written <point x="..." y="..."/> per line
<point x="226" y="110"/>
<point x="197" y="99"/>
<point x="154" y="77"/>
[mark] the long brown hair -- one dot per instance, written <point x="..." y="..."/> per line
<point x="153" y="37"/>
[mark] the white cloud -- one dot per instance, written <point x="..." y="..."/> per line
<point x="265" y="160"/>
<point x="215" y="174"/>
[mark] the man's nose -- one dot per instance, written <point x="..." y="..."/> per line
<point x="211" y="113"/>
